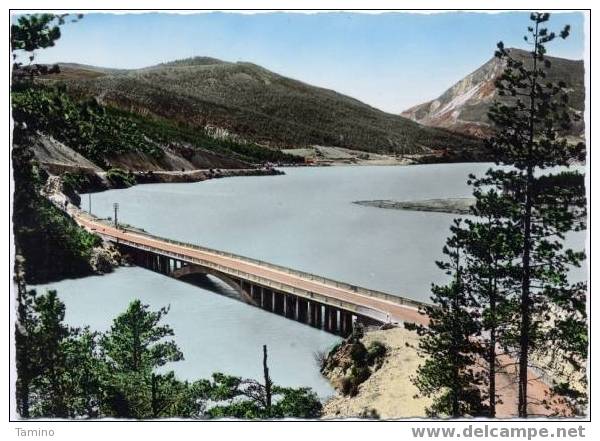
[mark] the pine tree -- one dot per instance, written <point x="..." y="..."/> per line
<point x="26" y="345"/>
<point x="491" y="246"/>
<point x="531" y="124"/>
<point x="449" y="344"/>
<point x="134" y="347"/>
<point x="56" y="368"/>
<point x="51" y="336"/>
<point x="85" y="369"/>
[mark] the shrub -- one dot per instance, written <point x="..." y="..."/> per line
<point x="358" y="352"/>
<point x="376" y="352"/>
<point x="347" y="386"/>
<point x="370" y="414"/>
<point x="120" y="178"/>
<point x="359" y="374"/>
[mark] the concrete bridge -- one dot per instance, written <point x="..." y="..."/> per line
<point x="320" y="302"/>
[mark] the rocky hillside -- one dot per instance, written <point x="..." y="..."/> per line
<point x="86" y="135"/>
<point x="244" y="101"/>
<point x="463" y="108"/>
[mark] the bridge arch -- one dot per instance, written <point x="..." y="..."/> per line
<point x="190" y="269"/>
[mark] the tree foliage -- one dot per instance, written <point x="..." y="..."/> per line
<point x="76" y="373"/>
<point x="135" y="343"/>
<point x="246" y="398"/>
<point x="85" y="126"/>
<point x="448" y="343"/>
<point x="52" y="244"/>
<point x="30" y="33"/>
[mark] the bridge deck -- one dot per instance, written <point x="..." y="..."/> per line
<point x="333" y="291"/>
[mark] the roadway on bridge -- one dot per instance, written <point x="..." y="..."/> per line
<point x="396" y="312"/>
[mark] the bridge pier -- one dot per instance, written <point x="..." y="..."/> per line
<point x="346" y="323"/>
<point x="163" y="262"/>
<point x="255" y="293"/>
<point x="315" y="319"/>
<point x="302" y="309"/>
<point x="331" y="322"/>
<point x="290" y="306"/>
<point x="135" y="256"/>
<point x="246" y="288"/>
<point x="267" y="299"/>
<point x="278" y="302"/>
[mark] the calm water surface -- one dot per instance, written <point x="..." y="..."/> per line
<point x="304" y="220"/>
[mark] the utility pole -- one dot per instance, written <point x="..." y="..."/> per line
<point x="90" y="203"/>
<point x="116" y="207"/>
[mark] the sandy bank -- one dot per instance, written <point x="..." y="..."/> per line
<point x="447" y="205"/>
<point x="390" y="393"/>
<point x="388" y="390"/>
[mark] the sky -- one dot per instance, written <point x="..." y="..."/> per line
<point x="391" y="61"/>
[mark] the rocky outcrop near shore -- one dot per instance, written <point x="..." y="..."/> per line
<point x="200" y="175"/>
<point x="387" y="392"/>
<point x="104" y="257"/>
<point x="59" y="158"/>
<point x="178" y="164"/>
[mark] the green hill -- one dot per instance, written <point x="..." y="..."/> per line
<point x="247" y="102"/>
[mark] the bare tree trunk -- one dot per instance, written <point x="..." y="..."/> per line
<point x="456" y="389"/>
<point x="268" y="383"/>
<point x="492" y="353"/>
<point x="524" y="340"/>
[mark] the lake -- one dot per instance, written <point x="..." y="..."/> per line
<point x="304" y="219"/>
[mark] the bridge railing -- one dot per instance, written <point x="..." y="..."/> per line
<point x="366" y="311"/>
<point x="306" y="275"/>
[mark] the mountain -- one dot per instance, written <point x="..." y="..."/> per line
<point x="463" y="107"/>
<point x="247" y="102"/>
